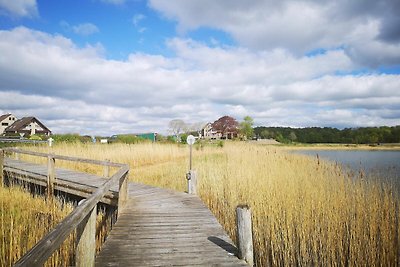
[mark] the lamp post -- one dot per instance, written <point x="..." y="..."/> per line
<point x="191" y="175"/>
<point x="190" y="140"/>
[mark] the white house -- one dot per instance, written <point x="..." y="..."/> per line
<point x="209" y="133"/>
<point x="5" y="121"/>
<point x="28" y="125"/>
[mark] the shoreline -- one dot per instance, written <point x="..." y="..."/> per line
<point x="382" y="147"/>
<point x="301" y="146"/>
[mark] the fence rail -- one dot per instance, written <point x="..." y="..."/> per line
<point x="81" y="218"/>
<point x="18" y="140"/>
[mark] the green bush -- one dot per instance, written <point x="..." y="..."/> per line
<point x="128" y="139"/>
<point x="69" y="138"/>
<point x="220" y="143"/>
<point x="35" y="137"/>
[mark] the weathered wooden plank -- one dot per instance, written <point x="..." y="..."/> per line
<point x="46" y="246"/>
<point x="84" y="191"/>
<point x="51" y="175"/>
<point x="178" y="260"/>
<point x="156" y="227"/>
<point x="1" y="167"/>
<point x="66" y="158"/>
<point x="164" y="230"/>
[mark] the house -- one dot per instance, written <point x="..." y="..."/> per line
<point x="208" y="132"/>
<point x="28" y="126"/>
<point x="5" y="121"/>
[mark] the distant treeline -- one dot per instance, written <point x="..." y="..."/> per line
<point x="365" y="135"/>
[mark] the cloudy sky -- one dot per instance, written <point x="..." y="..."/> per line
<point x="123" y="66"/>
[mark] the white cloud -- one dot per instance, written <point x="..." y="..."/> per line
<point x="19" y="8"/>
<point x="137" y="18"/>
<point x="299" y="26"/>
<point x="85" y="29"/>
<point x="50" y="77"/>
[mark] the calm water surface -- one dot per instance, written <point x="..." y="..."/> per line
<point x="379" y="163"/>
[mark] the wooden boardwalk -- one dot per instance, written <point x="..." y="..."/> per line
<point x="156" y="227"/>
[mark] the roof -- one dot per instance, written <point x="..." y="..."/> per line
<point x="2" y="117"/>
<point x="22" y="123"/>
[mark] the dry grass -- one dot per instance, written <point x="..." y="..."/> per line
<point x="25" y="220"/>
<point x="305" y="211"/>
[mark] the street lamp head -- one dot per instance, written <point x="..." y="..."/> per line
<point x="190" y="140"/>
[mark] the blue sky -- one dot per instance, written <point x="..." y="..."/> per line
<point x="121" y="28"/>
<point x="120" y="66"/>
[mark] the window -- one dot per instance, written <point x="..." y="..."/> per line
<point x="4" y="124"/>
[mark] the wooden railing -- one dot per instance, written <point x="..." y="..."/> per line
<point x="82" y="218"/>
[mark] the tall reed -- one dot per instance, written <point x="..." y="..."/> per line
<point x="305" y="211"/>
<point x="25" y="220"/>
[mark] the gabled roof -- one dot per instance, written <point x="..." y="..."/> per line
<point x="2" y="117"/>
<point x="22" y="123"/>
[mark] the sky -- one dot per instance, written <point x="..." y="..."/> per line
<point x="104" y="67"/>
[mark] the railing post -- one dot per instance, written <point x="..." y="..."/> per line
<point x="244" y="234"/>
<point x="192" y="182"/>
<point x="16" y="154"/>
<point x="106" y="170"/>
<point x="51" y="175"/>
<point x="86" y="240"/>
<point x="123" y="191"/>
<point x="2" y="167"/>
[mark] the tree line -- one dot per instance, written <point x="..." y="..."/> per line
<point x="362" y="135"/>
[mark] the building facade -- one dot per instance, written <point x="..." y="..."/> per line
<point x="5" y="121"/>
<point x="28" y="126"/>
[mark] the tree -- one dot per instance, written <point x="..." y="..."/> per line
<point x="246" y="127"/>
<point x="227" y="126"/>
<point x="196" y="127"/>
<point x="177" y="127"/>
<point x="292" y="136"/>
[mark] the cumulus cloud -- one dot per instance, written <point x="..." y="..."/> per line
<point x="50" y="77"/>
<point x="19" y="8"/>
<point x="298" y="26"/>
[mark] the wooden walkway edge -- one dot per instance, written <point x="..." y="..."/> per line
<point x="156" y="227"/>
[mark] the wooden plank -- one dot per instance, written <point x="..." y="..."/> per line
<point x="152" y="231"/>
<point x="46" y="246"/>
<point x="157" y="227"/>
<point x="1" y="167"/>
<point x="51" y="175"/>
<point x="110" y="198"/>
<point x="66" y="158"/>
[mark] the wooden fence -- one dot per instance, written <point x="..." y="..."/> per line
<point x="82" y="218"/>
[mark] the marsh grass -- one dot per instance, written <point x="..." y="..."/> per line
<point x="305" y="211"/>
<point x="25" y="220"/>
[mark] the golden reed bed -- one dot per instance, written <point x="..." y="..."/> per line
<point x="305" y="211"/>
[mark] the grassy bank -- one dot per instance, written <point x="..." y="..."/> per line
<point x="305" y="211"/>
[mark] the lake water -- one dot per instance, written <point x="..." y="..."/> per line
<point x="383" y="164"/>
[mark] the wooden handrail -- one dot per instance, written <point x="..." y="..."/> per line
<point x="66" y="158"/>
<point x="39" y="254"/>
